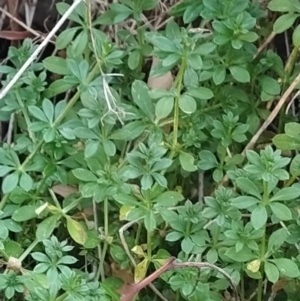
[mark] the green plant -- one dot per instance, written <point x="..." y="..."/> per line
<point x="99" y="171"/>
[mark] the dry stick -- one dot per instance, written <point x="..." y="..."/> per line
<point x="127" y="251"/>
<point x="22" y="24"/>
<point x="265" y="44"/>
<point x="39" y="49"/>
<point x="170" y="265"/>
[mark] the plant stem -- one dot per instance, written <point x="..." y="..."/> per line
<point x="105" y="245"/>
<point x="62" y="297"/>
<point x="178" y="81"/>
<point x="138" y="233"/>
<point x="28" y="250"/>
<point x="262" y="247"/>
<point x="26" y="117"/>
<point x="149" y="234"/>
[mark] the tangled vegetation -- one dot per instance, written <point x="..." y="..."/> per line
<point x="111" y="168"/>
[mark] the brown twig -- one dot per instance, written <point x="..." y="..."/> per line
<point x="127" y="251"/>
<point x="170" y="265"/>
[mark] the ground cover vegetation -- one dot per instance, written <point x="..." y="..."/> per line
<point x="123" y="180"/>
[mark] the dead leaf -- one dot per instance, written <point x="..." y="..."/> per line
<point x="64" y="190"/>
<point x="279" y="285"/>
<point x="124" y="274"/>
<point x="162" y="82"/>
<point x="15" y="35"/>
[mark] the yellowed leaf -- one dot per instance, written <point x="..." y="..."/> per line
<point x="138" y="250"/>
<point x="162" y="82"/>
<point x="254" y="265"/>
<point x="76" y="231"/>
<point x="123" y="212"/>
<point x="140" y="270"/>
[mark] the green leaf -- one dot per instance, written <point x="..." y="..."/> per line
<point x="48" y="109"/>
<point x="140" y="94"/>
<point x="292" y="129"/>
<point x="92" y="240"/>
<point x="10" y="182"/>
<point x="259" y="217"/>
<point x="174" y="236"/>
<point x="287" y="267"/>
<point x="12" y="248"/>
<point x="187" y="104"/>
<point x="187" y="245"/>
<point x="201" y="93"/>
<point x="58" y="87"/>
<point x="26" y="181"/>
<point x="109" y="148"/>
<point x="150" y="221"/>
<point x="126" y="199"/>
<point x="162" y="43"/>
<point x="240" y="74"/>
<point x="134" y="59"/>
<point x="271" y="272"/>
<point x="248" y="187"/>
<point x="25" y="213"/>
<point x="277" y="239"/>
<point x="284" y="22"/>
<point x="296" y="36"/>
<point x="270" y="85"/>
<point x="65" y="37"/>
<point x="76" y="231"/>
<point x="84" y="175"/>
<point x="280" y="6"/>
<point x="243" y="255"/>
<point x="169" y="199"/>
<point x="295" y="166"/>
<point x="285" y="142"/>
<point x="164" y="107"/>
<point x="171" y="60"/>
<point x="244" y="202"/>
<point x="219" y="75"/>
<point x="286" y="194"/>
<point x="56" y="64"/>
<point x="37" y="113"/>
<point x="46" y="227"/>
<point x="130" y="131"/>
<point x="187" y="162"/>
<point x="281" y="211"/>
<point x="48" y="135"/>
<point x="5" y="170"/>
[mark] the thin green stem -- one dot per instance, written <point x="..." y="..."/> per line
<point x="149" y="234"/>
<point x="62" y="297"/>
<point x="100" y="272"/>
<point x="54" y="198"/>
<point x="242" y="287"/>
<point x="28" y="250"/>
<point x="72" y="205"/>
<point x="178" y="81"/>
<point x="26" y="117"/>
<point x="263" y="246"/>
<point x="290" y="181"/>
<point x="138" y="233"/>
